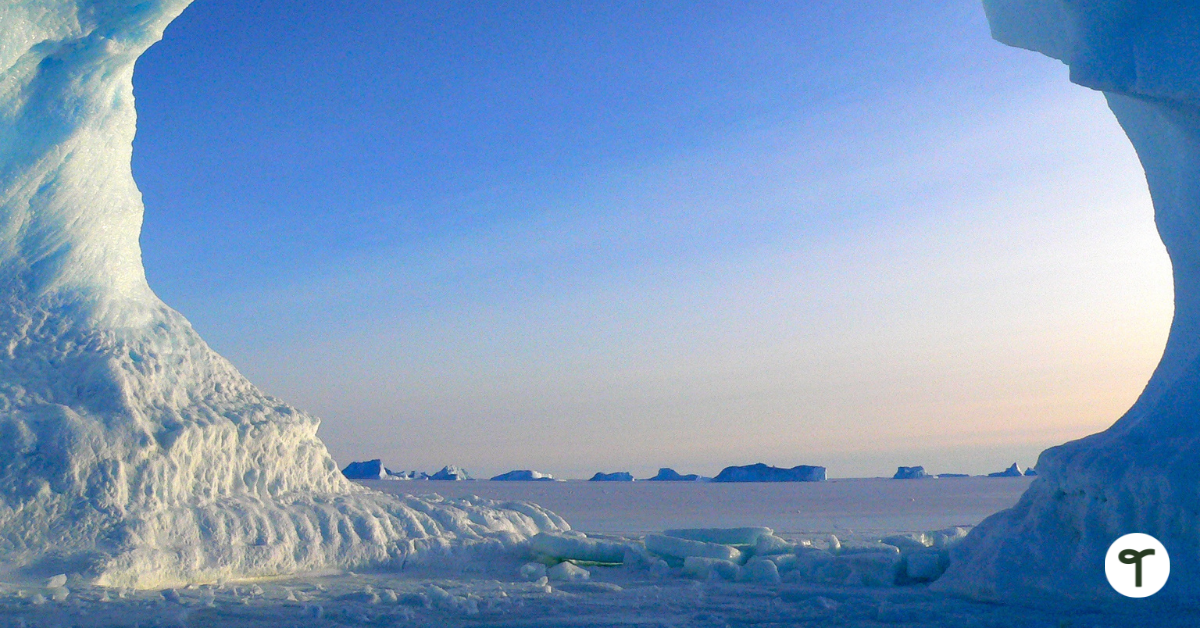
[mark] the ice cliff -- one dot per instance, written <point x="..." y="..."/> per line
<point x="1143" y="473"/>
<point x="130" y="452"/>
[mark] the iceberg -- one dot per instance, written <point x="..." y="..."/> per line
<point x="451" y="473"/>
<point x="671" y="475"/>
<point x="910" y="473"/>
<point x="131" y="453"/>
<point x="1015" y="471"/>
<point x="368" y="470"/>
<point x="763" y="473"/>
<point x="1140" y="474"/>
<point x="523" y="475"/>
<point x="619" y="476"/>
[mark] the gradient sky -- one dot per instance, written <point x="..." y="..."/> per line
<point x="601" y="236"/>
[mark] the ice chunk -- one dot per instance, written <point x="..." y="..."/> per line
<point x="563" y="547"/>
<point x="947" y="538"/>
<point x="670" y="475"/>
<point x="451" y="472"/>
<point x="367" y="470"/>
<point x="56" y="581"/>
<point x="769" y="544"/>
<point x="1014" y="471"/>
<point x="680" y="548"/>
<point x="533" y="571"/>
<point x="705" y="568"/>
<point x="910" y="542"/>
<point x="910" y="473"/>
<point x="763" y="473"/>
<point x="925" y="565"/>
<point x="567" y="572"/>
<point x="868" y="547"/>
<point x="759" y="569"/>
<point x="723" y="536"/>
<point x="523" y="475"/>
<point x="619" y="476"/>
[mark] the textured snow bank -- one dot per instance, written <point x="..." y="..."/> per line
<point x="1141" y="474"/>
<point x="129" y="450"/>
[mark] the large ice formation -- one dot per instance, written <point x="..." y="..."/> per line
<point x="129" y="450"/>
<point x="1143" y="473"/>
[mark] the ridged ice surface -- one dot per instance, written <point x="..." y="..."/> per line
<point x="129" y="450"/>
<point x="1143" y="473"/>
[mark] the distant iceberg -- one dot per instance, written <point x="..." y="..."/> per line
<point x="451" y="472"/>
<point x="368" y="470"/>
<point x="763" y="473"/>
<point x="670" y="475"/>
<point x="619" y="476"/>
<point x="523" y="475"/>
<point x="910" y="473"/>
<point x="1015" y="471"/>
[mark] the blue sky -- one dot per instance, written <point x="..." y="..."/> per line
<point x="616" y="236"/>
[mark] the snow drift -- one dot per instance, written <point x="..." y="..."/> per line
<point x="129" y="450"/>
<point x="1141" y="474"/>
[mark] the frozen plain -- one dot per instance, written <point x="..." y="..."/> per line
<point x="487" y="589"/>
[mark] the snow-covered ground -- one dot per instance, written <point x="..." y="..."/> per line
<point x="490" y="590"/>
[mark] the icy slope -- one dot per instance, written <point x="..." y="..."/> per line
<point x="129" y="450"/>
<point x="1143" y="473"/>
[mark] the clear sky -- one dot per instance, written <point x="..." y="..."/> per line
<point x="601" y="236"/>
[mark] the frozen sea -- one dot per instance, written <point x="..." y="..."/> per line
<point x="488" y="590"/>
<point x="873" y="507"/>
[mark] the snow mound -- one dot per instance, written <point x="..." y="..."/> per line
<point x="1140" y="474"/>
<point x="130" y="452"/>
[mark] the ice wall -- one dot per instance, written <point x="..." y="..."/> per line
<point x="1143" y="473"/>
<point x="129" y="450"/>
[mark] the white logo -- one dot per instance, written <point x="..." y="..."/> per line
<point x="1137" y="565"/>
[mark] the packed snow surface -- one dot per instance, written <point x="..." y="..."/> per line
<point x="131" y="454"/>
<point x="1141" y="474"/>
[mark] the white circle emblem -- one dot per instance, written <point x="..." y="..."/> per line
<point x="1137" y="565"/>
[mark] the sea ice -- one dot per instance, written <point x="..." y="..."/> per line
<point x="567" y="572"/>
<point x="677" y="548"/>
<point x="130" y="452"/>
<point x="577" y="547"/>
<point x="703" y="568"/>
<point x="721" y="536"/>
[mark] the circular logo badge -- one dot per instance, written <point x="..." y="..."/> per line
<point x="1137" y="565"/>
